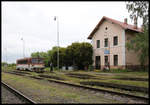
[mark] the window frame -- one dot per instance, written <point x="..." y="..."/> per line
<point x="115" y="60"/>
<point x="105" y="42"/>
<point x="97" y="44"/>
<point x="115" y="41"/>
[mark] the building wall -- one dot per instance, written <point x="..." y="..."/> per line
<point x="131" y="56"/>
<point x="101" y="34"/>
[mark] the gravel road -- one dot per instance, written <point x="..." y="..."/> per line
<point x="9" y="98"/>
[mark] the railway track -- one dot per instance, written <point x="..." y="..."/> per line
<point x="145" y="99"/>
<point x="18" y="94"/>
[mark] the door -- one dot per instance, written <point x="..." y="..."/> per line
<point x="98" y="62"/>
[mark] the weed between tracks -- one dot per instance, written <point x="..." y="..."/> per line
<point x="80" y="76"/>
<point x="45" y="92"/>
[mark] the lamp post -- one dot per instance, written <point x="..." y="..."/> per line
<point x="23" y="46"/>
<point x="56" y="18"/>
<point x="6" y="59"/>
<point x="109" y="55"/>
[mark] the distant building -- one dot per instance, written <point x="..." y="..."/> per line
<point x="108" y="41"/>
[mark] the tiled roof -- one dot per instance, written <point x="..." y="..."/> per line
<point x="122" y="24"/>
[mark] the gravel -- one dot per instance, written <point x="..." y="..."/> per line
<point x="9" y="98"/>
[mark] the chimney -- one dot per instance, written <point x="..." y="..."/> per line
<point x="125" y="21"/>
<point x="135" y="22"/>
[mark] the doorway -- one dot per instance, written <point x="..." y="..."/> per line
<point x="98" y="62"/>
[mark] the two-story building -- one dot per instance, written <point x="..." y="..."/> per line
<point x="109" y="38"/>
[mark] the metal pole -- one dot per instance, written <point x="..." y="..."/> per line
<point x="6" y="59"/>
<point x="56" y="18"/>
<point x="23" y="48"/>
<point x="58" y="42"/>
<point x="109" y="54"/>
<point x="23" y="42"/>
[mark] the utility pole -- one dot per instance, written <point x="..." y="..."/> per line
<point x="6" y="59"/>
<point x="109" y="54"/>
<point x="56" y="18"/>
<point x="23" y="46"/>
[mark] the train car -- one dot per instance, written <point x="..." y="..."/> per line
<point x="31" y="64"/>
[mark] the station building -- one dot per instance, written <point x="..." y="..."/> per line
<point x="108" y="40"/>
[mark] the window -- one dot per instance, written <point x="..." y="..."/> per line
<point x="106" y="42"/>
<point x="115" y="40"/>
<point x="37" y="61"/>
<point x="22" y="61"/>
<point x="34" y="60"/>
<point x="106" y="60"/>
<point x="98" y="43"/>
<point x="41" y="61"/>
<point x="25" y="61"/>
<point x="115" y="60"/>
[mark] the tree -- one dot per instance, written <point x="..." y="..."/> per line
<point x="86" y="52"/>
<point x="62" y="56"/>
<point x="80" y="54"/>
<point x="140" y="43"/>
<point x="53" y="56"/>
<point x="138" y="9"/>
<point x="41" y="55"/>
<point x="73" y="53"/>
<point x="4" y="63"/>
<point x="77" y="54"/>
<point x="12" y="65"/>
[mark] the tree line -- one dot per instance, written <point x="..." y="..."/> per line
<point x="6" y="64"/>
<point x="77" y="54"/>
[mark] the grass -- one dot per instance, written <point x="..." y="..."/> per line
<point x="45" y="92"/>
<point x="108" y="77"/>
<point x="128" y="82"/>
<point x="101" y="76"/>
<point x="8" y="68"/>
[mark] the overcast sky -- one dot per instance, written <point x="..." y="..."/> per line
<point x="34" y="21"/>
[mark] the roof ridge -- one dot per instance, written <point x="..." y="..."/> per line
<point x="122" y="24"/>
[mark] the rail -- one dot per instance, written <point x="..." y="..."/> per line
<point x="18" y="94"/>
<point x="102" y="90"/>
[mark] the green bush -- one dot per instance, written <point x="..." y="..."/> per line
<point x="90" y="68"/>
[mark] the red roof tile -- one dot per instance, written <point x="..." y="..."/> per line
<point x="122" y="24"/>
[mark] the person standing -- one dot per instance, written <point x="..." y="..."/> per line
<point x="51" y="67"/>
